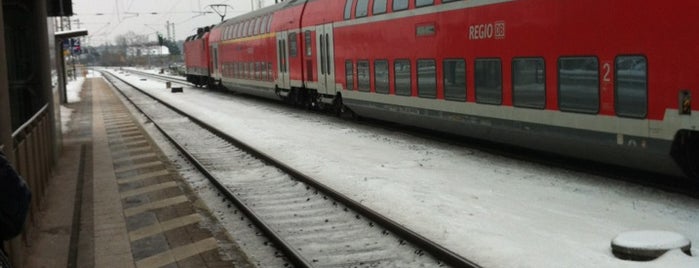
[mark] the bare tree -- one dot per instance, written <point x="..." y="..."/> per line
<point x="131" y="39"/>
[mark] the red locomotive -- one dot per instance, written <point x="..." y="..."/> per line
<point x="609" y="81"/>
<point x="197" y="58"/>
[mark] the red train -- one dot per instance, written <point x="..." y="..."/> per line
<point x="609" y="81"/>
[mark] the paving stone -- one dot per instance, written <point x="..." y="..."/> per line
<point x="136" y="210"/>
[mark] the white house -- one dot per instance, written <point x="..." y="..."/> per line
<point x="147" y="50"/>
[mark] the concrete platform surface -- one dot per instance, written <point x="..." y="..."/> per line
<point x="114" y="200"/>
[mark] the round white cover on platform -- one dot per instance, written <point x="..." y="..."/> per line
<point x="648" y="244"/>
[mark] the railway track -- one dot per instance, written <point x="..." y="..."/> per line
<point x="179" y="80"/>
<point x="662" y="182"/>
<point x="313" y="225"/>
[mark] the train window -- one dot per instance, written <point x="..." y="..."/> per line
<point x="426" y="78"/>
<point x="455" y="79"/>
<point x="402" y="79"/>
<point x="269" y="70"/>
<point x="362" y="8"/>
<point x="261" y="70"/>
<point x="264" y="72"/>
<point x="379" y="7"/>
<point x="631" y="86"/>
<point x="269" y="24"/>
<point x="381" y="76"/>
<point x="488" y="81"/>
<point x="308" y="44"/>
<point x="244" y="73"/>
<point x="251" y="26"/>
<point x="422" y="3"/>
<point x="263" y="26"/>
<point x="292" y="45"/>
<point x="251" y="70"/>
<point x="363" y="75"/>
<point x="400" y="5"/>
<point x="578" y="84"/>
<point x="529" y="83"/>
<point x="348" y="9"/>
<point x="239" y="33"/>
<point x="256" y="31"/>
<point x="349" y="74"/>
<point x="258" y="70"/>
<point x="244" y="31"/>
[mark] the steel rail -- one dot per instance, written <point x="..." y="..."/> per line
<point x="159" y="76"/>
<point x="292" y="254"/>
<point x="439" y="252"/>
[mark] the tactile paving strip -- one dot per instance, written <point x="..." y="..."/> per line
<point x="162" y="223"/>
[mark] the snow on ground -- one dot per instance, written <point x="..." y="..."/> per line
<point x="73" y="89"/>
<point x="496" y="211"/>
<point x="65" y="118"/>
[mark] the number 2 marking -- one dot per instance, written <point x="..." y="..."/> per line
<point x="607" y="70"/>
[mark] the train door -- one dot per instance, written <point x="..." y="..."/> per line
<point x="214" y="62"/>
<point x="325" y="59"/>
<point x="282" y="60"/>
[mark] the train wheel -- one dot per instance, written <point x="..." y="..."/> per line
<point x="685" y="151"/>
<point x="693" y="154"/>
<point x="338" y="107"/>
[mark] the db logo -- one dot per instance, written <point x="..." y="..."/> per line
<point x="500" y="30"/>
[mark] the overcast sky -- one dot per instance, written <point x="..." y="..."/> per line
<point x="106" y="19"/>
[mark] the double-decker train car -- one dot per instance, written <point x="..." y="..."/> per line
<point x="608" y="81"/>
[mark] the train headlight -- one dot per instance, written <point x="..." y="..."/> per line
<point x="685" y="102"/>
